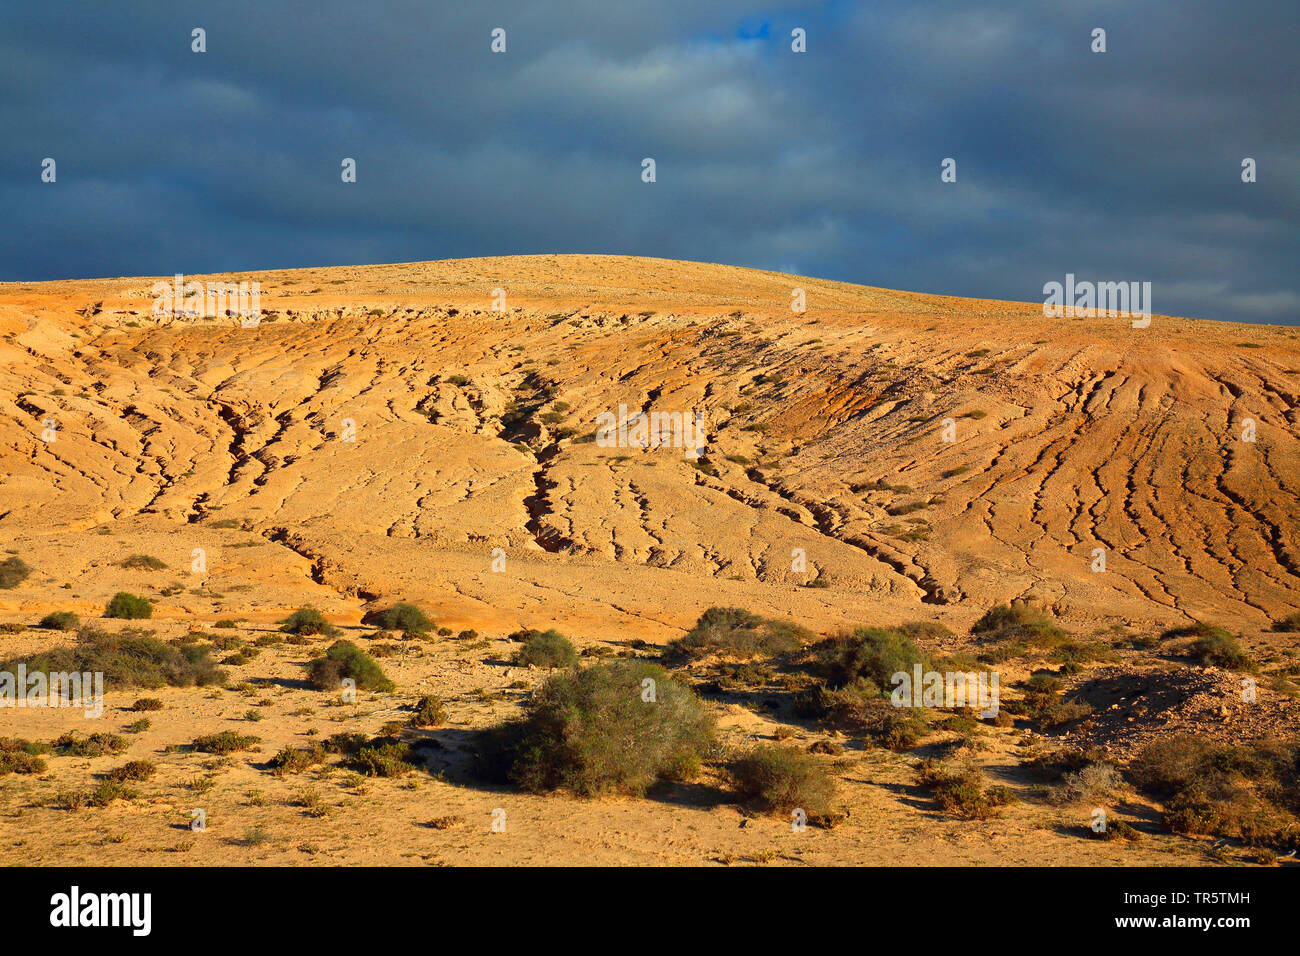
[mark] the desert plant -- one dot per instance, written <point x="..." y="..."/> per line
<point x="870" y="654"/>
<point x="613" y="727"/>
<point x="96" y="745"/>
<point x="60" y="621"/>
<point x="1018" y="621"/>
<point x="961" y="791"/>
<point x="1221" y="649"/>
<point x="132" y="770"/>
<point x="429" y="712"/>
<point x="343" y="659"/>
<point x="400" y="617"/>
<point x="126" y="659"/>
<point x="544" y="649"/>
<point x="128" y="606"/>
<point x="225" y="742"/>
<point x="737" y="633"/>
<point x="143" y="562"/>
<point x="782" y="779"/>
<point x="13" y="572"/>
<point x="307" y="621"/>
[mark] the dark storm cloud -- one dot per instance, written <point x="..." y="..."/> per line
<point x="1123" y="165"/>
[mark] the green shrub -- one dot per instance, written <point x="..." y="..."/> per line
<point x="21" y="756"/>
<point x="1221" y="649"/>
<point x="13" y="572"/>
<point x="400" y="617"/>
<point x="293" y="760"/>
<point x="1018" y="622"/>
<point x="343" y="659"/>
<point x="737" y="633"/>
<point x="782" y="779"/>
<point x="146" y="704"/>
<point x="132" y="770"/>
<point x="225" y="742"/>
<point x="429" y="712"/>
<point x="307" y="621"/>
<point x="872" y="654"/>
<point x="96" y="745"/>
<point x="126" y="659"/>
<point x="1247" y="791"/>
<point x="961" y="791"/>
<point x="60" y="621"/>
<point x="596" y="731"/>
<point x="107" y="792"/>
<point x="385" y="757"/>
<point x="544" y="649"/>
<point x="143" y="562"/>
<point x="128" y="606"/>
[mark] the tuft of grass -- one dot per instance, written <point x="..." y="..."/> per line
<point x="143" y="562"/>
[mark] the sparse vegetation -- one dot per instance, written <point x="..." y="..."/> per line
<point x="128" y="606"/>
<point x="595" y="731"/>
<point x="1249" y="792"/>
<point x="735" y="633"/>
<point x="343" y="659"/>
<point x="961" y="790"/>
<point x="60" y="621"/>
<point x="143" y="562"/>
<point x="130" y="658"/>
<point x="307" y="621"/>
<point x="403" y="617"/>
<point x="13" y="572"/>
<point x="782" y="779"/>
<point x="544" y="649"/>
<point x="225" y="742"/>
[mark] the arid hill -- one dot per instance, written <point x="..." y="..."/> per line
<point x="825" y="431"/>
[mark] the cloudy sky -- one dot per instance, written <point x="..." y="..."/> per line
<point x="1123" y="165"/>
